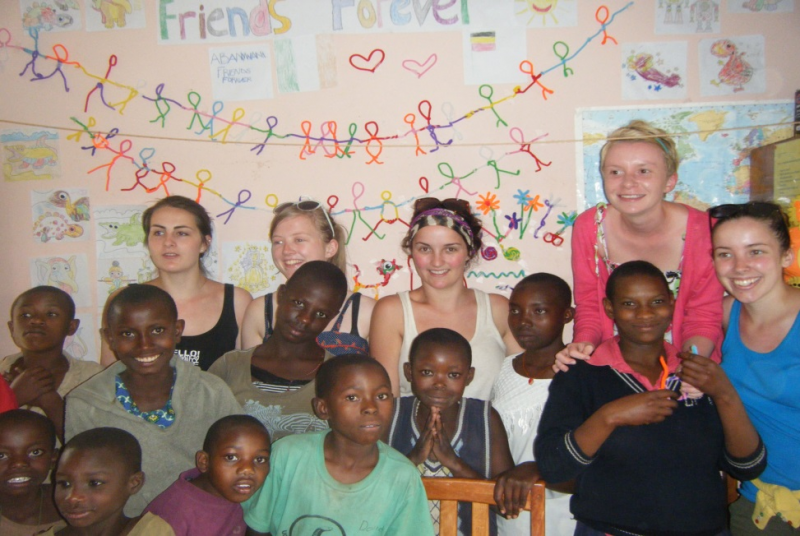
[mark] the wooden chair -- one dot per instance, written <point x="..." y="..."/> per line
<point x="481" y="494"/>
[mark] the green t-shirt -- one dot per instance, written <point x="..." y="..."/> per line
<point x="300" y="497"/>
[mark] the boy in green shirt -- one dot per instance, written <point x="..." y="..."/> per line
<point x="343" y="481"/>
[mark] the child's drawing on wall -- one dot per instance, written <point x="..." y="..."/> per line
<point x="546" y="13"/>
<point x="731" y="66"/>
<point x="654" y="71"/>
<point x="113" y="274"/>
<point x="50" y="15"/>
<point x="82" y="344"/>
<point x="704" y="13"/>
<point x="30" y="155"/>
<point x="760" y="6"/>
<point x="146" y="272"/>
<point x="385" y="268"/>
<point x="687" y="16"/>
<point x="54" y="226"/>
<point x="70" y="274"/>
<point x="114" y="14"/>
<point x="119" y="231"/>
<point x="211" y="258"/>
<point x="249" y="265"/>
<point x="60" y="215"/>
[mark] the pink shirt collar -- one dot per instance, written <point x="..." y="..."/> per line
<point x="609" y="354"/>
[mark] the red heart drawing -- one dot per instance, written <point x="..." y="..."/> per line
<point x="420" y="68"/>
<point x="366" y="64"/>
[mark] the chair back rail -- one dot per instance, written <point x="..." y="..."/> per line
<point x="451" y="491"/>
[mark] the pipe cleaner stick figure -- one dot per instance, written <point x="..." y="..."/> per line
<point x="244" y="197"/>
<point x="486" y="91"/>
<point x="100" y="86"/>
<point x="238" y="114"/>
<point x="87" y="128"/>
<point x="425" y="110"/>
<point x="57" y="50"/>
<point x="305" y="126"/>
<point x="348" y="152"/>
<point x="527" y="68"/>
<point x="372" y="129"/>
<point x="272" y="122"/>
<point x="140" y="174"/>
<point x="124" y="146"/>
<point x="525" y="146"/>
<point x="100" y="142"/>
<point x="162" y="114"/>
<point x="558" y="48"/>
<point x="409" y="119"/>
<point x="601" y="16"/>
<point x="386" y="195"/>
<point x="446" y="170"/>
<point x="357" y="190"/>
<point x="194" y="99"/>
<point x="165" y="176"/>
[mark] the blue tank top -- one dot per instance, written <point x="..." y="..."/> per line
<point x="334" y="341"/>
<point x="768" y="386"/>
<point x="202" y="350"/>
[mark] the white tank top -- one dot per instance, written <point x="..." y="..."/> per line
<point x="488" y="348"/>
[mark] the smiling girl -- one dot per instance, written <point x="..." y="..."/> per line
<point x="639" y="165"/>
<point x="762" y="356"/>
<point x="178" y="235"/>
<point x="443" y="239"/>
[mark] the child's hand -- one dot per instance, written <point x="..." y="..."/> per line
<point x="32" y="383"/>
<point x="641" y="408"/>
<point x="705" y="375"/>
<point x="442" y="448"/>
<point x="422" y="450"/>
<point x="571" y="352"/>
<point x="690" y="391"/>
<point x="512" y="488"/>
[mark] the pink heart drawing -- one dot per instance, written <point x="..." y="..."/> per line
<point x="367" y="64"/>
<point x="420" y="68"/>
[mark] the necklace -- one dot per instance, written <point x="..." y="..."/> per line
<point x="525" y="370"/>
<point x="314" y="370"/>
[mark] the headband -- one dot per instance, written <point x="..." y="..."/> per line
<point x="662" y="144"/>
<point x="445" y="218"/>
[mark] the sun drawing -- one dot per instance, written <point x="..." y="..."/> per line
<point x="538" y="8"/>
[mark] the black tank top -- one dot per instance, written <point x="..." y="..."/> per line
<point x="204" y="349"/>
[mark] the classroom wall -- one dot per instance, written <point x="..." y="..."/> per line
<point x="148" y="111"/>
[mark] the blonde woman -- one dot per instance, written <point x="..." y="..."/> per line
<point x="300" y="232"/>
<point x="639" y="165"/>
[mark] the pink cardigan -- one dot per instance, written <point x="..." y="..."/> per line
<point x="698" y="308"/>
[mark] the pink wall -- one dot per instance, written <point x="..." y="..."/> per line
<point x="384" y="96"/>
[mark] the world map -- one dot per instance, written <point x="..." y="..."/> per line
<point x="714" y="143"/>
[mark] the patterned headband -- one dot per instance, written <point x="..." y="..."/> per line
<point x="445" y="218"/>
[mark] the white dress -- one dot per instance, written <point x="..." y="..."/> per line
<point x="520" y="406"/>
